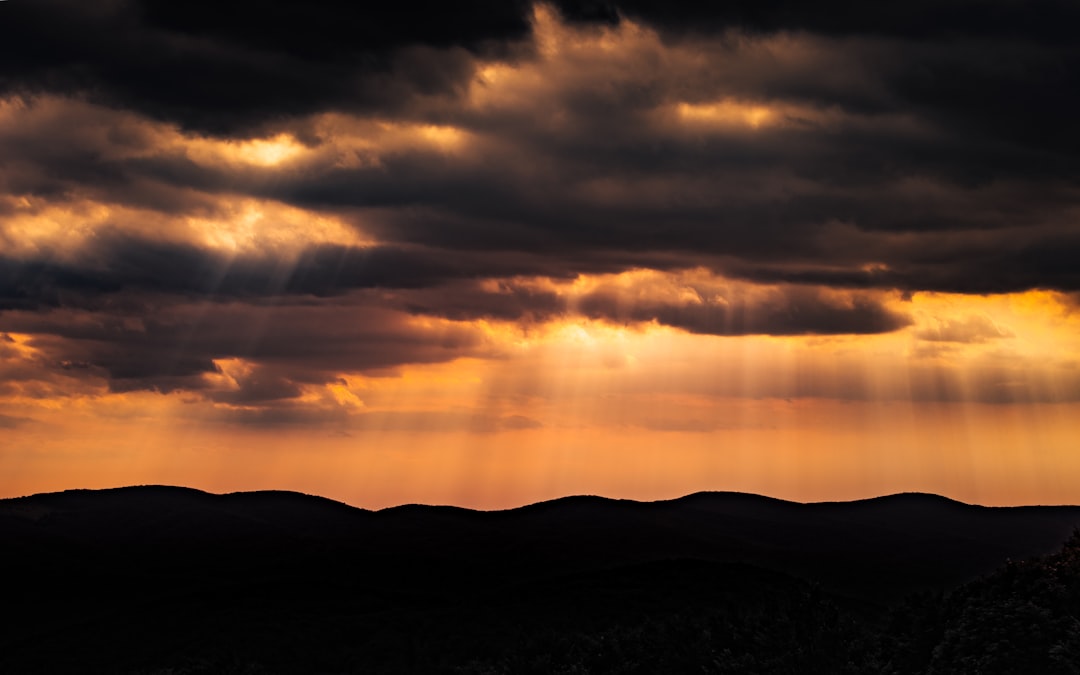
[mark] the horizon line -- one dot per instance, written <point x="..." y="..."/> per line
<point x="908" y="493"/>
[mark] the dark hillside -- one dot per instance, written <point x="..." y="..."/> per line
<point x="145" y="579"/>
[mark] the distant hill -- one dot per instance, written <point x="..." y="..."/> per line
<point x="133" y="579"/>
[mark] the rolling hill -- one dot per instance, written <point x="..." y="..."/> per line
<point x="159" y="579"/>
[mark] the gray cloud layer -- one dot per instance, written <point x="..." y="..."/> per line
<point x="916" y="146"/>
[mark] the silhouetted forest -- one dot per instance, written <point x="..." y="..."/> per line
<point x="172" y="581"/>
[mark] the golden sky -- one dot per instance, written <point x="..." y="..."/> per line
<point x="553" y="252"/>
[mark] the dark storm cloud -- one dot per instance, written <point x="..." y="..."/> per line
<point x="226" y="67"/>
<point x="913" y="146"/>
<point x="1047" y="19"/>
<point x="114" y="264"/>
<point x="970" y="262"/>
<point x="910" y="233"/>
<point x="821" y="195"/>
<point x="58" y="149"/>
<point x="469" y="301"/>
<point x="987" y="68"/>
<point x="139" y="320"/>
<point x="175" y="347"/>
<point x="790" y="310"/>
<point x="797" y="311"/>
<point x="260" y="386"/>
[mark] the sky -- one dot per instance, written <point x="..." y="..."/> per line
<point x="486" y="253"/>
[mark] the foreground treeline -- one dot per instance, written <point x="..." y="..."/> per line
<point x="689" y="617"/>
<point x="1024" y="618"/>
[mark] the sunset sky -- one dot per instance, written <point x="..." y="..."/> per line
<point x="486" y="253"/>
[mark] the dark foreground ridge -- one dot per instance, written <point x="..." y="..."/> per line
<point x="173" y="580"/>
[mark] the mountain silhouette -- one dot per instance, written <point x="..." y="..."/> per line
<point x="156" y="579"/>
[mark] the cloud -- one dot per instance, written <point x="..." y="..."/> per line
<point x="968" y="330"/>
<point x="11" y="422"/>
<point x="345" y="422"/>
<point x="110" y="265"/>
<point x="257" y="385"/>
<point x="769" y="144"/>
<point x="178" y="347"/>
<point x="692" y="300"/>
<point x="921" y="19"/>
<point x="342" y="189"/>
<point x="791" y="311"/>
<point x="228" y="70"/>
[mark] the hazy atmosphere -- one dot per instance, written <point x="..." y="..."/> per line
<point x="488" y="253"/>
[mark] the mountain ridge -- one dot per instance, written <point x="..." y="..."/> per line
<point x="144" y="577"/>
<point x="803" y="538"/>
<point x="703" y="494"/>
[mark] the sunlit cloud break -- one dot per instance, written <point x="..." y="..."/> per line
<point x="490" y="253"/>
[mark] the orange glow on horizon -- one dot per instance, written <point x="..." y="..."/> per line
<point x="971" y="453"/>
<point x="584" y="406"/>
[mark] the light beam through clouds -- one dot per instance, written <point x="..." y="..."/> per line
<point x="555" y="251"/>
